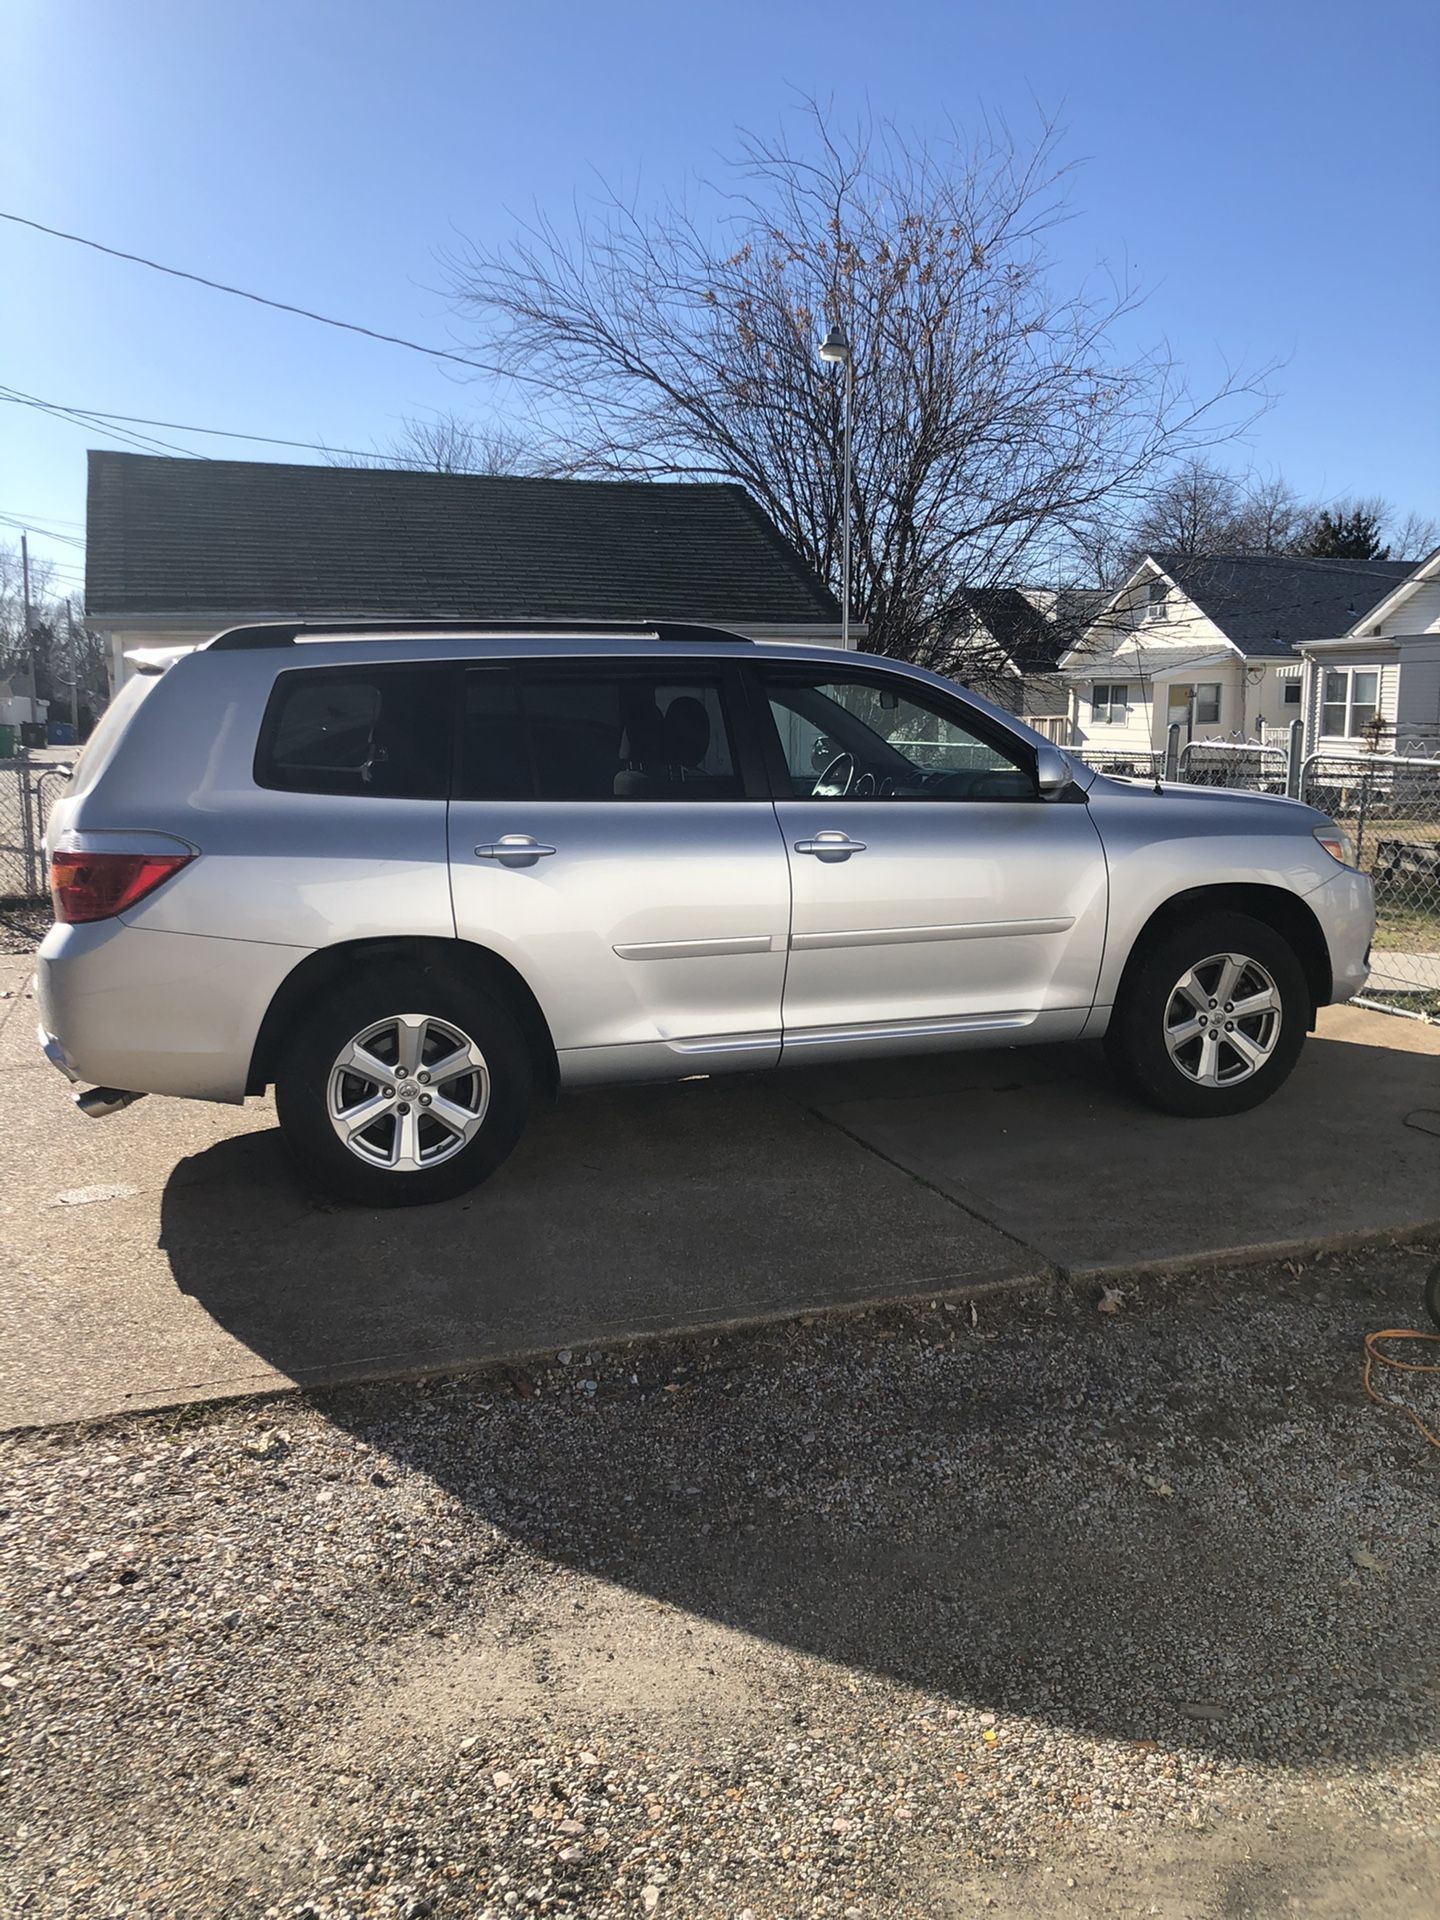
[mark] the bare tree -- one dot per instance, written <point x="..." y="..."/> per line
<point x="1196" y="509"/>
<point x="997" y="423"/>
<point x="1272" y="516"/>
<point x="1201" y="508"/>
<point x="55" y="649"/>
<point x="445" y="443"/>
<point x="1413" y="536"/>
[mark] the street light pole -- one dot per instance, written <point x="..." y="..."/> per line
<point x="835" y="351"/>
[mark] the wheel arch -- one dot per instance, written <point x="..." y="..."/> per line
<point x="478" y="966"/>
<point x="1285" y="913"/>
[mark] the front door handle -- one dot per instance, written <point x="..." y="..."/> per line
<point x="830" y="844"/>
<point x="514" y="850"/>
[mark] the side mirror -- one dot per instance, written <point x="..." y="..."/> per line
<point x="1052" y="772"/>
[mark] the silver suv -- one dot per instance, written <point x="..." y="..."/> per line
<point x="407" y="875"/>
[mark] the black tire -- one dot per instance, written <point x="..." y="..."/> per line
<point x="498" y="1092"/>
<point x="1136" y="1041"/>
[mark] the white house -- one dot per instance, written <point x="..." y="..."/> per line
<point x="1378" y="683"/>
<point x="1209" y="643"/>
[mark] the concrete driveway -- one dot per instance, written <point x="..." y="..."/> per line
<point x="169" y="1254"/>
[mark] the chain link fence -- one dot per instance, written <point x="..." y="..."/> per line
<point x="1234" y="763"/>
<point x="29" y="787"/>
<point x="1123" y="763"/>
<point x="1389" y="804"/>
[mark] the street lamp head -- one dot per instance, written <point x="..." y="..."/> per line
<point x="835" y="347"/>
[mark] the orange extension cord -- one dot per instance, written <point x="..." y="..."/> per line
<point x="1375" y="1358"/>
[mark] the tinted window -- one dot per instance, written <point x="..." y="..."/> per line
<point x="602" y="736"/>
<point x="494" y="751"/>
<point x="869" y="740"/>
<point x="381" y="733"/>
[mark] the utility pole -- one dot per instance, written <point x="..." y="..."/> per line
<point x="29" y="618"/>
<point x="74" y="670"/>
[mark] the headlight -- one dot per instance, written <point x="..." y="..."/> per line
<point x="1337" y="843"/>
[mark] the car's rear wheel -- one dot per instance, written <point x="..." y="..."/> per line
<point x="403" y="1086"/>
<point x="1211" y="1016"/>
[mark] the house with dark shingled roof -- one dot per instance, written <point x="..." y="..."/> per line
<point x="1387" y="662"/>
<point x="178" y="549"/>
<point x="1211" y="644"/>
<point x="1010" y="641"/>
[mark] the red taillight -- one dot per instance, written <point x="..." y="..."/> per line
<point x="95" y="886"/>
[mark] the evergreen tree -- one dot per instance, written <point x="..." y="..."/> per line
<point x="1353" y="535"/>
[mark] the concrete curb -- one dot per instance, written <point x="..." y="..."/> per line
<point x="357" y="1373"/>
<point x="1260" y="1254"/>
<point x="1046" y="1276"/>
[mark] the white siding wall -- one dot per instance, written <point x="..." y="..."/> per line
<point x="1265" y="703"/>
<point x="1348" y="659"/>
<point x="1417" y="711"/>
<point x="1127" y="644"/>
<point x="1130" y="735"/>
<point x="1420" y="613"/>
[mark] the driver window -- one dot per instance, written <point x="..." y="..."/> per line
<point x="874" y="740"/>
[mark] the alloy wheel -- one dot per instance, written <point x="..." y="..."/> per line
<point x="408" y="1092"/>
<point x="1222" y="1020"/>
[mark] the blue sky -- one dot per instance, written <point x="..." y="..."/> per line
<point x="1270" y="170"/>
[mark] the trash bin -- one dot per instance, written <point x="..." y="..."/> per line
<point x="7" y="740"/>
<point x="60" y="733"/>
<point x="32" y="735"/>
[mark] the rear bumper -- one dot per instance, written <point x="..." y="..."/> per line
<point x="55" y="1054"/>
<point x="171" y="1013"/>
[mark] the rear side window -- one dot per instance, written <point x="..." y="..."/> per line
<point x="636" y="735"/>
<point x="381" y="731"/>
<point x="110" y="730"/>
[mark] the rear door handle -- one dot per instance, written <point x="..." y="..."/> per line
<point x="514" y="850"/>
<point x="830" y="844"/>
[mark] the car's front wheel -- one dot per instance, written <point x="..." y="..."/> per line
<point x="403" y="1086"/>
<point x="1211" y="1016"/>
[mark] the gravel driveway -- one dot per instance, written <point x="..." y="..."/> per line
<point x="1056" y="1611"/>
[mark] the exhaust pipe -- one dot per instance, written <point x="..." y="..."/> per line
<point x="100" y="1102"/>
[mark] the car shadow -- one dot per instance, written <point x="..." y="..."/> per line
<point x="1128" y="1527"/>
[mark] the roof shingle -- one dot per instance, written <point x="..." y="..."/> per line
<point x="1268" y="602"/>
<point x="222" y="539"/>
<point x="1031" y="637"/>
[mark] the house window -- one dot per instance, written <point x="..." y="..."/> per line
<point x="1290" y="693"/>
<point x="1157" y="605"/>
<point x="1109" y="703"/>
<point x="1350" y="701"/>
<point x="1194" y="705"/>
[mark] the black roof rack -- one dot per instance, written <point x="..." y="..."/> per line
<point x="285" y="633"/>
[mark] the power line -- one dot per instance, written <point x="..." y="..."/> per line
<point x="31" y="526"/>
<point x="259" y="299"/>
<point x="88" y="415"/>
<point x="146" y="443"/>
<point x="14" y="513"/>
